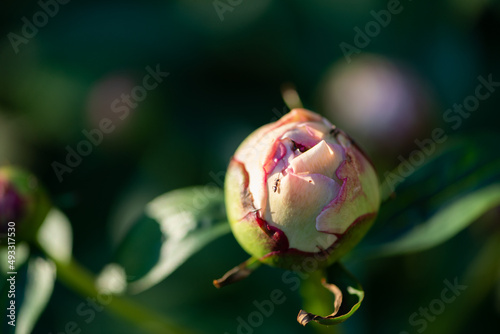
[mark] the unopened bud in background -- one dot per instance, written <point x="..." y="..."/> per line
<point x="379" y="102"/>
<point x="22" y="201"/>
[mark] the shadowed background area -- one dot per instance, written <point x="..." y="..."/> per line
<point x="112" y="104"/>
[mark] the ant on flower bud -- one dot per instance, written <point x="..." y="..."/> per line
<point x="277" y="183"/>
<point x="334" y="131"/>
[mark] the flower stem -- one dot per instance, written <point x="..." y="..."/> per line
<point x="79" y="279"/>
<point x="316" y="299"/>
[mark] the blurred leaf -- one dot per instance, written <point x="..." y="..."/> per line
<point x="6" y="296"/>
<point x="348" y="295"/>
<point x="34" y="283"/>
<point x="460" y="166"/>
<point x="428" y="193"/>
<point x="55" y="236"/>
<point x="112" y="278"/>
<point x="35" y="278"/>
<point x="22" y="255"/>
<point x="175" y="226"/>
<point x="145" y="235"/>
<point x="445" y="223"/>
<point x="39" y="287"/>
<point x="480" y="277"/>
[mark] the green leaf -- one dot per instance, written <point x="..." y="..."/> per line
<point x="34" y="281"/>
<point x="348" y="295"/>
<point x="444" y="224"/>
<point x="174" y="226"/>
<point x="39" y="287"/>
<point x="459" y="167"/>
<point x="428" y="195"/>
<point x="22" y="255"/>
<point x="481" y="279"/>
<point x="145" y="235"/>
<point x="33" y="286"/>
<point x="55" y="236"/>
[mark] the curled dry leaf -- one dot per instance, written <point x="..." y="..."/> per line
<point x="237" y="273"/>
<point x="348" y="295"/>
<point x="304" y="317"/>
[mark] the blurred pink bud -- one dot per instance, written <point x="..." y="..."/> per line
<point x="379" y="102"/>
<point x="22" y="202"/>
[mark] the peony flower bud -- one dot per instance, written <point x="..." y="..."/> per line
<point x="22" y="201"/>
<point x="300" y="188"/>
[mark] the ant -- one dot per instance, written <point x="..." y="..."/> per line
<point x="277" y="182"/>
<point x="334" y="131"/>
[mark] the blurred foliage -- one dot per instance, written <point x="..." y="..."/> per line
<point x="225" y="80"/>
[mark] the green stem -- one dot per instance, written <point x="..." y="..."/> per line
<point x="79" y="279"/>
<point x="316" y="299"/>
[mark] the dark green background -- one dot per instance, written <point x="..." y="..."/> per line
<point x="225" y="80"/>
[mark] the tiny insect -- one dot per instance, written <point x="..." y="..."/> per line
<point x="276" y="186"/>
<point x="334" y="132"/>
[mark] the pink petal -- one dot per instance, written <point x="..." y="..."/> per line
<point x="358" y="195"/>
<point x="321" y="159"/>
<point x="294" y="206"/>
